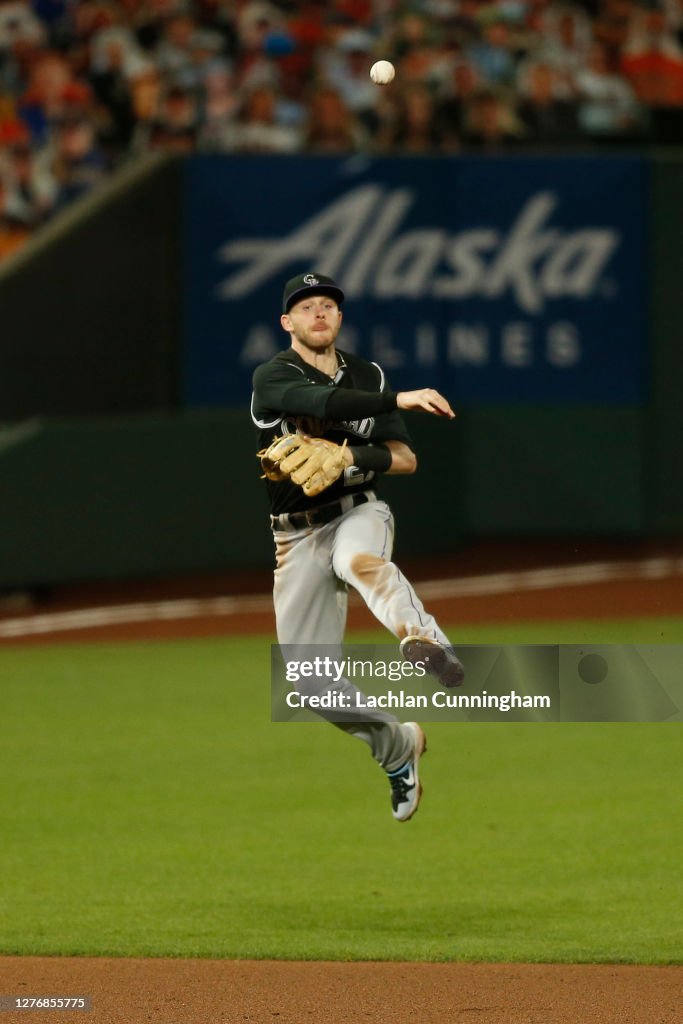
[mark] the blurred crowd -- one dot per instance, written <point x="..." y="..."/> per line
<point x="88" y="84"/>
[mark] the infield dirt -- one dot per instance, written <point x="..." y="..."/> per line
<point x="232" y="992"/>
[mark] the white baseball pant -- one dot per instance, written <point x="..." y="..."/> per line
<point x="314" y="565"/>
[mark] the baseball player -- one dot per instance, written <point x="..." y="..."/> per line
<point x="328" y="427"/>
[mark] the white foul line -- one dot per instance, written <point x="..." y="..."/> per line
<point x="466" y="586"/>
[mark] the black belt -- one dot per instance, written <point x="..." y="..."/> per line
<point x="320" y="515"/>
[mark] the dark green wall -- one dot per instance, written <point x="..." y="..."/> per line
<point x="159" y="494"/>
<point x="663" y="420"/>
<point x="90" y="311"/>
<point x="552" y="470"/>
<point x="128" y="497"/>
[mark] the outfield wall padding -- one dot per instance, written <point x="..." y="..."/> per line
<point x="155" y="495"/>
<point x="90" y="312"/>
<point x="663" y="415"/>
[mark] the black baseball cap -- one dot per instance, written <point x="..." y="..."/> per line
<point x="309" y="284"/>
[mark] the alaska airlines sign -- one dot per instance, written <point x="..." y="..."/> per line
<point x="495" y="280"/>
<point x="358" y="240"/>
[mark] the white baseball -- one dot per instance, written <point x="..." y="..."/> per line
<point x="382" y="72"/>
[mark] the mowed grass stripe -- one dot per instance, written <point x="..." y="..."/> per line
<point x="150" y="807"/>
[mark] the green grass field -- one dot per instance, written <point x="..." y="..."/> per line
<point x="150" y="807"/>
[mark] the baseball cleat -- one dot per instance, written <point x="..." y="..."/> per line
<point x="441" y="662"/>
<point x="406" y="788"/>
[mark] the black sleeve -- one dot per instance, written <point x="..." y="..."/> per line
<point x="375" y="457"/>
<point x="354" y="404"/>
<point x="286" y="389"/>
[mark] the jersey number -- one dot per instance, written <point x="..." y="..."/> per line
<point x="354" y="476"/>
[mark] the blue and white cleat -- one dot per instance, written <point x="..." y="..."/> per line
<point x="406" y="788"/>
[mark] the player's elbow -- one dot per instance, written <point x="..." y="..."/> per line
<point x="410" y="459"/>
<point x="403" y="458"/>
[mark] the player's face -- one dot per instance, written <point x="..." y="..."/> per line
<point x="314" y="322"/>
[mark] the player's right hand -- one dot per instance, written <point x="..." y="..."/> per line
<point x="426" y="399"/>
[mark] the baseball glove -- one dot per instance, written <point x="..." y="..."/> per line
<point x="310" y="462"/>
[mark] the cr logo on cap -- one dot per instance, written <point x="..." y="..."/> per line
<point x="311" y="279"/>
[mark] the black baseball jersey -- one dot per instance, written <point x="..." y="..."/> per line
<point x="290" y="395"/>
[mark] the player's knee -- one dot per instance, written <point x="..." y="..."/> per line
<point x="368" y="568"/>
